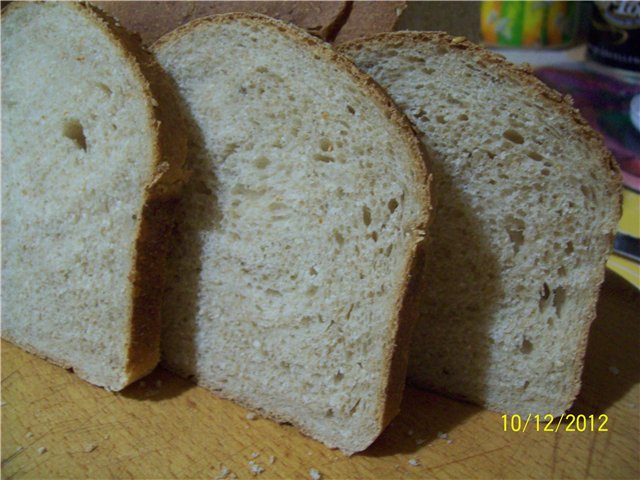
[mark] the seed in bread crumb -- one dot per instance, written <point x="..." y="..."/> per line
<point x="251" y="416"/>
<point x="28" y="434"/>
<point x="89" y="447"/>
<point x="315" y="474"/>
<point x="255" y="468"/>
<point x="614" y="370"/>
<point x="41" y="450"/>
<point x="413" y="462"/>
<point x="456" y="40"/>
<point x="255" y="455"/>
<point x="272" y="460"/>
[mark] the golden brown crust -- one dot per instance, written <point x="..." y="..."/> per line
<point x="390" y="393"/>
<point x="552" y="99"/>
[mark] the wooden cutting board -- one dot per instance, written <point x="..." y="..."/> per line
<point x="165" y="427"/>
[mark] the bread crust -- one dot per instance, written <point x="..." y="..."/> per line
<point x="396" y="359"/>
<point x="563" y="105"/>
<point x="156" y="214"/>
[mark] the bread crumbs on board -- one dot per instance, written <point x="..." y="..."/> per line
<point x="254" y="468"/>
<point x="315" y="474"/>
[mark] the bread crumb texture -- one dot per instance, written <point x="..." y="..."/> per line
<point x="295" y="233"/>
<point x="77" y="151"/>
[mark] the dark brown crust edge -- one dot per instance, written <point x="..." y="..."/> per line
<point x="563" y="105"/>
<point x="396" y="358"/>
<point x="156" y="215"/>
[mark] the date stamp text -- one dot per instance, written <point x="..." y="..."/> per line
<point x="547" y="423"/>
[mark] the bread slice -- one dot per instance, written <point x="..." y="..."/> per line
<point x="91" y="157"/>
<point x="528" y="202"/>
<point x="297" y="231"/>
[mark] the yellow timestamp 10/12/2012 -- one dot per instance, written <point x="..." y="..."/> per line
<point x="548" y="423"/>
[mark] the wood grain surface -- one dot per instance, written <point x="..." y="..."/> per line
<point x="165" y="427"/>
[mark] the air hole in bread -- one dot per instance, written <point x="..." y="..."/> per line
<point x="348" y="316"/>
<point x="355" y="407"/>
<point x="329" y="413"/>
<point x="351" y="110"/>
<point x="312" y="290"/>
<point x="262" y="162"/>
<point x="535" y="156"/>
<point x="525" y="385"/>
<point x="513" y="136"/>
<point x="440" y="119"/>
<point x="277" y="206"/>
<point x="74" y="131"/>
<point x="366" y="215"/>
<point x="273" y="292"/>
<point x="326" y="145"/>
<point x="338" y="376"/>
<point x="587" y="192"/>
<point x="550" y="322"/>
<point x="324" y="158"/>
<point x="374" y="236"/>
<point x="428" y="70"/>
<point x="463" y="117"/>
<point x="338" y="237"/>
<point x="545" y="172"/>
<point x="568" y="249"/>
<point x="544" y="296"/>
<point x="559" y="297"/>
<point x="392" y="205"/>
<point x="515" y="229"/>
<point x="105" y="88"/>
<point x="526" y="347"/>
<point x="562" y="272"/>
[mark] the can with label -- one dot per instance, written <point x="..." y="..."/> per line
<point x="537" y="24"/>
<point x="613" y="38"/>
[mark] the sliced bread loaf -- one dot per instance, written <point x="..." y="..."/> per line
<point x="528" y="202"/>
<point x="91" y="157"/>
<point x="297" y="231"/>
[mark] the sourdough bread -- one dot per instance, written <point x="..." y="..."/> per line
<point x="91" y="158"/>
<point x="528" y="202"/>
<point x="297" y="231"/>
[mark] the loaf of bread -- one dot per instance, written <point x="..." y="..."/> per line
<point x="297" y="232"/>
<point x="528" y="203"/>
<point x="91" y="158"/>
<point x="152" y="19"/>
